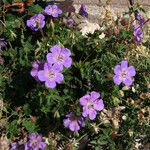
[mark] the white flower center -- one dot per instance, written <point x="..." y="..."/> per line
<point x="89" y="104"/>
<point x="51" y="74"/>
<point x="34" y="142"/>
<point x="54" y="11"/>
<point x="36" y="22"/>
<point x="60" y="58"/>
<point x="123" y="74"/>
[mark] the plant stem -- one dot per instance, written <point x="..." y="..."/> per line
<point x="42" y="33"/>
<point x="131" y="2"/>
<point x="143" y="23"/>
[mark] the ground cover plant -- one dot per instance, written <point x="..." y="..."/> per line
<point x="67" y="83"/>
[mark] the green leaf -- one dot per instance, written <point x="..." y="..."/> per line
<point x="29" y="125"/>
<point x="98" y="148"/>
<point x="35" y="9"/>
<point x="4" y="1"/>
<point x="126" y="34"/>
<point x="12" y="128"/>
<point x="1" y="80"/>
<point x="116" y="101"/>
<point x="27" y="109"/>
<point x="102" y="142"/>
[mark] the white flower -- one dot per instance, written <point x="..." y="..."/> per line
<point x="88" y="27"/>
<point x="124" y="117"/>
<point x="133" y="89"/>
<point x="125" y="88"/>
<point x="46" y="140"/>
<point x="102" y="35"/>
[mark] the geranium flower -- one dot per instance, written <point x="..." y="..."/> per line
<point x="53" y="10"/>
<point x="124" y="74"/>
<point x="83" y="11"/>
<point x="139" y="18"/>
<point x="15" y="145"/>
<point x="91" y="104"/>
<point x="36" y="67"/>
<point x="73" y="122"/>
<point x="50" y="75"/>
<point x="70" y="21"/>
<point x="60" y="57"/>
<point x="138" y="33"/>
<point x="36" y="22"/>
<point x="35" y="142"/>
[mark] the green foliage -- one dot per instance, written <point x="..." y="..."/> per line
<point x="29" y="126"/>
<point x="104" y="140"/>
<point x="33" y="9"/>
<point x="12" y="129"/>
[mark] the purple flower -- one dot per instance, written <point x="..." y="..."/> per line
<point x="60" y="57"/>
<point x="35" y="142"/>
<point x="73" y="122"/>
<point x="36" y="22"/>
<point x="53" y="10"/>
<point x="91" y="104"/>
<point x="50" y="75"/>
<point x="3" y="43"/>
<point x="70" y="21"/>
<point x="36" y="67"/>
<point x="139" y="18"/>
<point x="83" y="11"/>
<point x="14" y="146"/>
<point x="138" y="33"/>
<point x="123" y="73"/>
